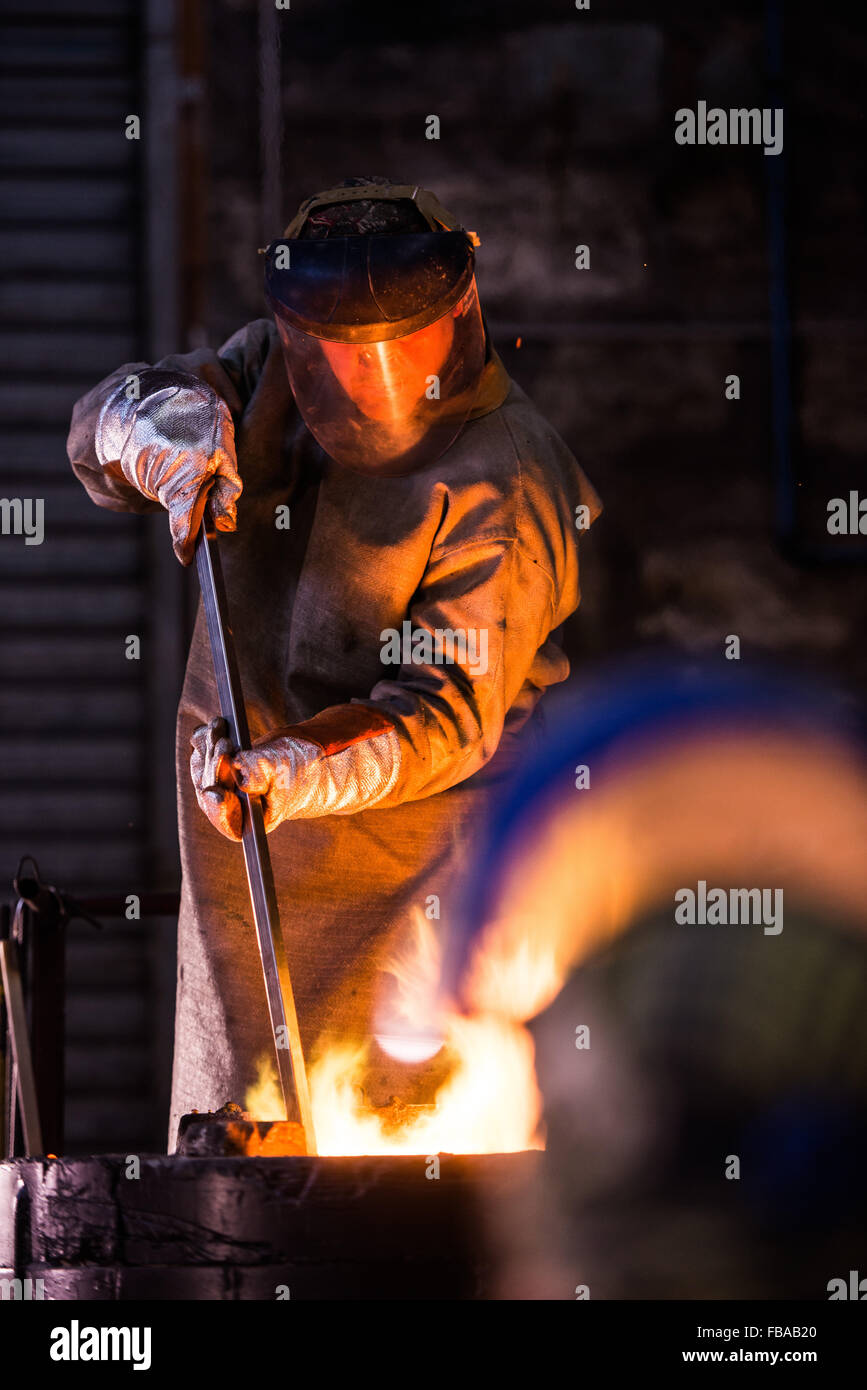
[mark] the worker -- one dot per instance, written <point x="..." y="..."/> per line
<point x="370" y="465"/>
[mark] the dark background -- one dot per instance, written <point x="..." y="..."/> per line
<point x="557" y="128"/>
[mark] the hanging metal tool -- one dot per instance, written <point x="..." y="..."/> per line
<point x="24" y="1080"/>
<point x="257" y="857"/>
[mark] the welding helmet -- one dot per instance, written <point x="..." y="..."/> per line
<point x="382" y="335"/>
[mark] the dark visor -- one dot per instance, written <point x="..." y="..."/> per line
<point x="363" y="289"/>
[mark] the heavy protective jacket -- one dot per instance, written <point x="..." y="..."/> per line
<point x="485" y="539"/>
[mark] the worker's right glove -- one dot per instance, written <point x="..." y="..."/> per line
<point x="294" y="776"/>
<point x="175" y="442"/>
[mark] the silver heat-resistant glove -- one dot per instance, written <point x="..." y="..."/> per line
<point x="176" y="445"/>
<point x="295" y="778"/>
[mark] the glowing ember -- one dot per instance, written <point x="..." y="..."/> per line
<point x="407" y="1048"/>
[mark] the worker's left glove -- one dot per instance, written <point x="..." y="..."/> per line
<point x="294" y="776"/>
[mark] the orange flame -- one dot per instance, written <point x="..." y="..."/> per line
<point x="408" y="1024"/>
<point x="489" y="1103"/>
<point x="264" y="1099"/>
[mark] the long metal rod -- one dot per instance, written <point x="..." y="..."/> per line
<point x="257" y="857"/>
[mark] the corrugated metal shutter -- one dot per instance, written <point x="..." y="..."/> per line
<point x="73" y="710"/>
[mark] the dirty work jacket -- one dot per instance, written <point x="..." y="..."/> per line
<point x="483" y="540"/>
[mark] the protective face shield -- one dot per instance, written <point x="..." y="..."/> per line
<point x="382" y="335"/>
